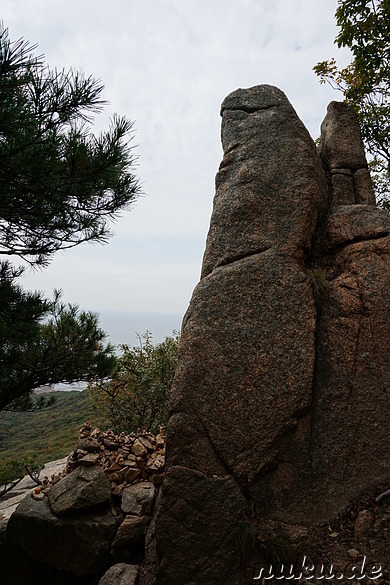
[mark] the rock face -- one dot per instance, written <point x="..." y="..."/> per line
<point x="78" y="544"/>
<point x="138" y="498"/>
<point x="279" y="407"/>
<point x="120" y="574"/>
<point x="84" y="489"/>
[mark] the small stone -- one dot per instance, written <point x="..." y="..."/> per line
<point x="353" y="553"/>
<point x="157" y="478"/>
<point x="364" y="523"/>
<point x="89" y="459"/>
<point x="86" y="429"/>
<point x="111" y="445"/>
<point x="160" y="441"/>
<point x="155" y="465"/>
<point x="117" y="490"/>
<point x="146" y="443"/>
<point x="130" y="462"/>
<point x="71" y="466"/>
<point x="141" y="462"/>
<point x="111" y="475"/>
<point x="131" y="475"/>
<point x="122" y="473"/>
<point x="37" y="494"/>
<point x="138" y="449"/>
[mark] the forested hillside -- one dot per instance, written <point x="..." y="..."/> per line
<point x="48" y="434"/>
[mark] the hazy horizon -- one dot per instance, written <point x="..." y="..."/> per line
<point x="168" y="66"/>
<point x="122" y="327"/>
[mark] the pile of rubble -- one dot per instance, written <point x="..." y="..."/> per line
<point x="125" y="459"/>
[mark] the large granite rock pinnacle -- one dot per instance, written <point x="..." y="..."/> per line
<point x="268" y="368"/>
<point x="263" y="139"/>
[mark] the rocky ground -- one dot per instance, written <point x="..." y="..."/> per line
<point x="354" y="547"/>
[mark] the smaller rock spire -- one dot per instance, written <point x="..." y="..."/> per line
<point x="343" y="157"/>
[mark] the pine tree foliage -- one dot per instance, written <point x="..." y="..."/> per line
<point x="46" y="342"/>
<point x="60" y="185"/>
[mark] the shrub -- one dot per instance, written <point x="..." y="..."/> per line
<point x="136" y="395"/>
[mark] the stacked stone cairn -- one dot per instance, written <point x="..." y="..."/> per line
<point x="125" y="459"/>
<point x="97" y="513"/>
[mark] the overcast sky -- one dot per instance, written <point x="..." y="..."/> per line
<point x="167" y="65"/>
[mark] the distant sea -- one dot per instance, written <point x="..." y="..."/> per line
<point x="122" y="328"/>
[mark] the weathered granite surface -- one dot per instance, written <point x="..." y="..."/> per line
<point x="280" y="408"/>
<point x="78" y="544"/>
<point x="84" y="489"/>
<point x="120" y="574"/>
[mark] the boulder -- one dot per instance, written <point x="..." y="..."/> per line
<point x="245" y="369"/>
<point x="351" y="223"/>
<point x="120" y="574"/>
<point x="138" y="498"/>
<point x="129" y="542"/>
<point x="78" y="544"/>
<point x="189" y="528"/>
<point x="279" y="410"/>
<point x="89" y="444"/>
<point x="341" y="145"/>
<point x="84" y="489"/>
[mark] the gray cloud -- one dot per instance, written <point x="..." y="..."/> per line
<point x="168" y="64"/>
